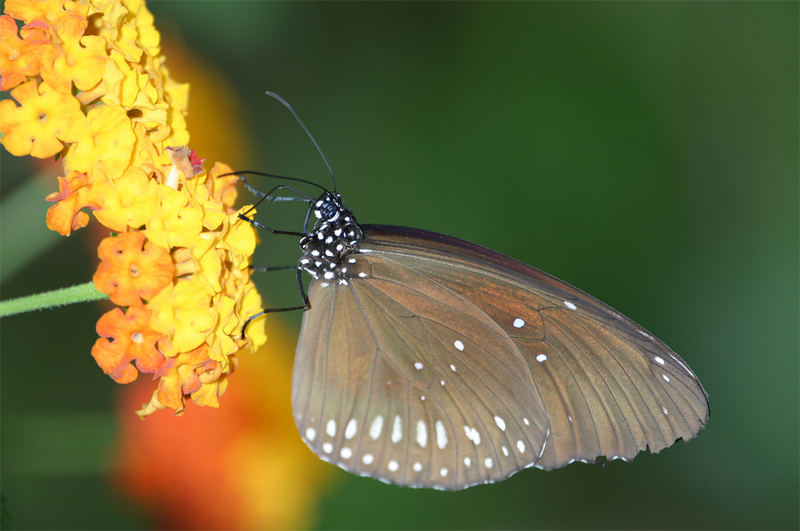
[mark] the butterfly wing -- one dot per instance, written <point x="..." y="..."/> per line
<point x="544" y="373"/>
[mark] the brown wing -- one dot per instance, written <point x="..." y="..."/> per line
<point x="442" y="364"/>
<point x="610" y="387"/>
<point x="398" y="378"/>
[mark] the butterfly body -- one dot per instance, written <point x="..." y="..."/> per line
<point x="429" y="361"/>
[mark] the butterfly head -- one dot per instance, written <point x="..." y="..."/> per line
<point x="329" y="207"/>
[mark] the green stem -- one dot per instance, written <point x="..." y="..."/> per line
<point x="50" y="299"/>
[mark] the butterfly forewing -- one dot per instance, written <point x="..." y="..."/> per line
<point x="611" y="389"/>
<point x="438" y="363"/>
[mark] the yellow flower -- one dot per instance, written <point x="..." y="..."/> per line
<point x="43" y="120"/>
<point x="106" y="143"/>
<point x="94" y="88"/>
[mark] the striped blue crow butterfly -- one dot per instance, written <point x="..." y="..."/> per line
<point x="427" y="361"/>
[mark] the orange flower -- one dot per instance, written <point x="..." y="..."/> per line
<point x="19" y="58"/>
<point x="66" y="216"/>
<point x="132" y="270"/>
<point x="126" y="338"/>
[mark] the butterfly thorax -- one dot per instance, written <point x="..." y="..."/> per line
<point x="335" y="235"/>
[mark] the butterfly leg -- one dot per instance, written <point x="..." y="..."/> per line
<point x="306" y="305"/>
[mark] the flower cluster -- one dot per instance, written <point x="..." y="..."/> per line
<point x="90" y="86"/>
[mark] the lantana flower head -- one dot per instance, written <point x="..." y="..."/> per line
<point x="88" y="84"/>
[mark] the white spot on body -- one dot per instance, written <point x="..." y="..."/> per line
<point x="368" y="459"/>
<point x="330" y="428"/>
<point x="659" y="360"/>
<point x="570" y="305"/>
<point x="417" y="466"/>
<point x="350" y="429"/>
<point x="488" y="462"/>
<point x="500" y="423"/>
<point x="441" y="435"/>
<point x="458" y="344"/>
<point x="397" y="429"/>
<point x="327" y="447"/>
<point x="443" y="472"/>
<point x="393" y="466"/>
<point x="376" y="427"/>
<point x="418" y="366"/>
<point x="521" y="446"/>
<point x="666" y="378"/>
<point x="519" y="323"/>
<point x="346" y="453"/>
<point x="422" y="434"/>
<point x="541" y="358"/>
<point x="329" y="275"/>
<point x="314" y="253"/>
<point x="467" y="462"/>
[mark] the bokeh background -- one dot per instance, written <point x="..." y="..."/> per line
<point x="645" y="152"/>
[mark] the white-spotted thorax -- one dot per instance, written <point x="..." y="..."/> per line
<point x="335" y="235"/>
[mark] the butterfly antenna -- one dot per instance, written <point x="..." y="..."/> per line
<point x="299" y="121"/>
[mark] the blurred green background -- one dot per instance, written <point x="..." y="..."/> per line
<point x="645" y="152"/>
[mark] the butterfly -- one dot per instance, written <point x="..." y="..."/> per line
<point x="428" y="361"/>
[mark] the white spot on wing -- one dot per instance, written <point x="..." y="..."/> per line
<point x="665" y="410"/>
<point x="467" y="462"/>
<point x="418" y="366"/>
<point x="327" y="447"/>
<point x="443" y="472"/>
<point x="350" y="429"/>
<point x="393" y="466"/>
<point x="311" y="433"/>
<point x="505" y="451"/>
<point x="666" y="378"/>
<point x="441" y="435"/>
<point x="397" y="429"/>
<point x="346" y="453"/>
<point x="422" y="434"/>
<point x="570" y="305"/>
<point x="541" y="358"/>
<point x="376" y="427"/>
<point x="526" y="421"/>
<point x="472" y="434"/>
<point x="417" y="466"/>
<point x="368" y="459"/>
<point x="519" y="323"/>
<point x="458" y="344"/>
<point x="659" y="360"/>
<point x="452" y="367"/>
<point x="500" y="423"/>
<point x="488" y="462"/>
<point x="521" y="446"/>
<point x="330" y="428"/>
